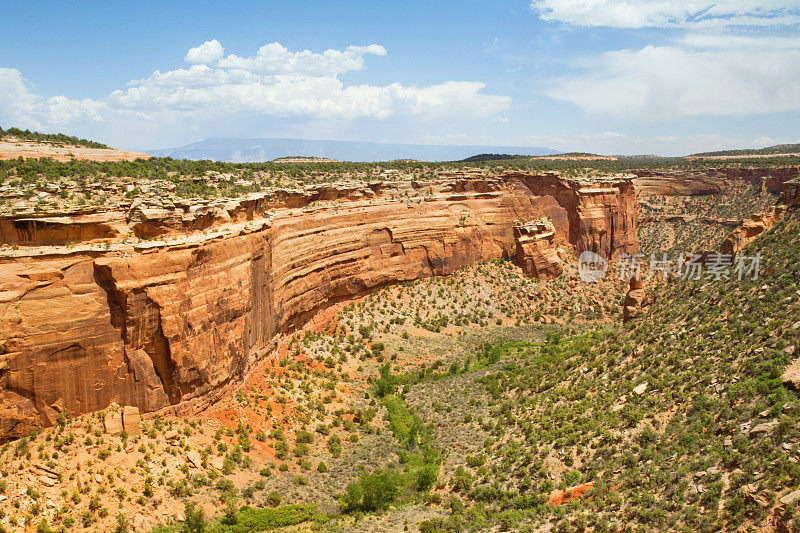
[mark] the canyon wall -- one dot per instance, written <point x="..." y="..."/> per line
<point x="161" y="323"/>
<point x="711" y="180"/>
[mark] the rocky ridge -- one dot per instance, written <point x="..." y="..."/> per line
<point x="12" y="148"/>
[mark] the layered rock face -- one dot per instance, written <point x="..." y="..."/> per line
<point x="166" y="324"/>
<point x="758" y="223"/>
<point x="711" y="180"/>
<point x="535" y="253"/>
<point x="750" y="229"/>
<point x="791" y="192"/>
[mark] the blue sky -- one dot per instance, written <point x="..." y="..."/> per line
<point x="608" y="76"/>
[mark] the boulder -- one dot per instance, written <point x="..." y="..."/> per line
<point x="131" y="420"/>
<point x="790" y="498"/>
<point x="791" y="376"/>
<point x="763" y="428"/>
<point x="194" y="459"/>
<point x="59" y="406"/>
<point x="215" y="461"/>
<point x="113" y="422"/>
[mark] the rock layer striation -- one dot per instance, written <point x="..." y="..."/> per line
<point x="168" y="323"/>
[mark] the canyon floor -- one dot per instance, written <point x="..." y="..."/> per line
<point x="302" y="430"/>
<point x="395" y="366"/>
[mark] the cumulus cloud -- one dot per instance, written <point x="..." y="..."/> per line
<point x="669" y="82"/>
<point x="206" y="53"/>
<point x="274" y="58"/>
<point x="21" y="106"/>
<point x="718" y="57"/>
<point x="669" y="13"/>
<point x="275" y="82"/>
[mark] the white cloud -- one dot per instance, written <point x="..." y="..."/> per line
<point x="21" y="106"/>
<point x="669" y="13"/>
<point x="729" y="57"/>
<point x="670" y="82"/>
<point x="274" y="58"/>
<point x="206" y="53"/>
<point x="14" y="93"/>
<point x="276" y="83"/>
<point x="729" y="41"/>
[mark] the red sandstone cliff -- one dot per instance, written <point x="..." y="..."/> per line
<point x="155" y="324"/>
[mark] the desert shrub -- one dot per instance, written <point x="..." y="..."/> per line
<point x="372" y="492"/>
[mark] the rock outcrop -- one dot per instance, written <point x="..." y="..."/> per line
<point x="560" y="497"/>
<point x="633" y="299"/>
<point x="534" y="249"/>
<point x="711" y="180"/>
<point x="791" y="192"/>
<point x="168" y="323"/>
<point x="750" y="229"/>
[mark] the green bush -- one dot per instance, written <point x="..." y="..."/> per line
<point x="372" y="492"/>
<point x="249" y="519"/>
<point x="195" y="519"/>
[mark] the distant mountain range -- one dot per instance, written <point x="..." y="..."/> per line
<point x="250" y="150"/>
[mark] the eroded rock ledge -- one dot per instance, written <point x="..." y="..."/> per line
<point x="90" y="316"/>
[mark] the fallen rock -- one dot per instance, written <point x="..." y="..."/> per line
<point x="45" y="469"/>
<point x="640" y="389"/>
<point x="113" y="422"/>
<point x="194" y="459"/>
<point x="216" y="461"/>
<point x="791" y="376"/>
<point x="763" y="428"/>
<point x="47" y="481"/>
<point x="751" y="492"/>
<point x="59" y="406"/>
<point x="131" y="420"/>
<point x="790" y="498"/>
